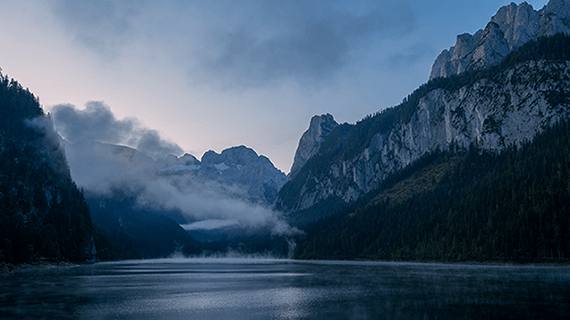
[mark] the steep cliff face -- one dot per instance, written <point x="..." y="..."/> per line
<point x="492" y="112"/>
<point x="310" y="142"/>
<point x="510" y="27"/>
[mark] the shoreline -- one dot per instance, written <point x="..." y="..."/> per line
<point x="7" y="268"/>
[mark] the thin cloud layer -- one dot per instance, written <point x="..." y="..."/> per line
<point x="307" y="40"/>
<point x="96" y="123"/>
<point x="101" y="25"/>
<point x="248" y="44"/>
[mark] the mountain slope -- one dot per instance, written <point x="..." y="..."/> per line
<point x="42" y="213"/>
<point x="133" y="232"/>
<point x="492" y="108"/>
<point x="466" y="206"/>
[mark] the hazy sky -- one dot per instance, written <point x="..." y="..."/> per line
<point x="208" y="75"/>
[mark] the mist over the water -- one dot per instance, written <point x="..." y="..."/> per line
<point x="106" y="155"/>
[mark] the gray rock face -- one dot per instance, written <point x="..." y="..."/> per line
<point x="242" y="168"/>
<point x="555" y="18"/>
<point x="491" y="49"/>
<point x="491" y="113"/>
<point x="311" y="140"/>
<point x="518" y="23"/>
<point x="510" y="27"/>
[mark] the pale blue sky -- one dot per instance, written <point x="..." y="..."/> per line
<point x="216" y="74"/>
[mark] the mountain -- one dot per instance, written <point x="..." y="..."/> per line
<point x="309" y="144"/>
<point x="493" y="108"/>
<point x="43" y="215"/>
<point x="253" y="175"/>
<point x="510" y="28"/>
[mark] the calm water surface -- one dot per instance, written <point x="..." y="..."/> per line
<point x="284" y="289"/>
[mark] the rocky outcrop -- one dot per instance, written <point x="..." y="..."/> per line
<point x="510" y="27"/>
<point x="311" y="140"/>
<point x="457" y="58"/>
<point x="518" y="23"/>
<point x="508" y="108"/>
<point x="492" y="48"/>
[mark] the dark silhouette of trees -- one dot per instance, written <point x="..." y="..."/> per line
<point x="43" y="215"/>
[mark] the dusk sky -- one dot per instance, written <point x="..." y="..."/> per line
<point x="209" y="75"/>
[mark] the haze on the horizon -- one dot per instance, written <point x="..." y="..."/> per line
<point x="214" y="74"/>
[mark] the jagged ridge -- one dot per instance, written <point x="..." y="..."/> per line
<point x="511" y="27"/>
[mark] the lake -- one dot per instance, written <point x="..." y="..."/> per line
<point x="285" y="289"/>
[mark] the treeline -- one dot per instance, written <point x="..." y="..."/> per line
<point x="43" y="216"/>
<point x="511" y="207"/>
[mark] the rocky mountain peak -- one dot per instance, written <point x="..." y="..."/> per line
<point x="211" y="157"/>
<point x="555" y="18"/>
<point x="518" y="23"/>
<point x="240" y="155"/>
<point x="241" y="167"/>
<point x="234" y="156"/>
<point x="319" y="128"/>
<point x="511" y="27"/>
<point x="491" y="49"/>
<point x="560" y="8"/>
<point x="456" y="59"/>
<point x="188" y="160"/>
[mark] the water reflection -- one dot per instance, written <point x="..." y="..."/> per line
<point x="281" y="289"/>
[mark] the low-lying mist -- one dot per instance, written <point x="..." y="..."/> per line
<point x="107" y="154"/>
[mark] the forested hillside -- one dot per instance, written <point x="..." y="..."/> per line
<point x="469" y="205"/>
<point x="43" y="216"/>
<point x="132" y="232"/>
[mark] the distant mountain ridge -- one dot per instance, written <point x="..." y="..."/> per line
<point x="240" y="167"/>
<point x="511" y="27"/>
<point x="525" y="92"/>
<point x="130" y="193"/>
